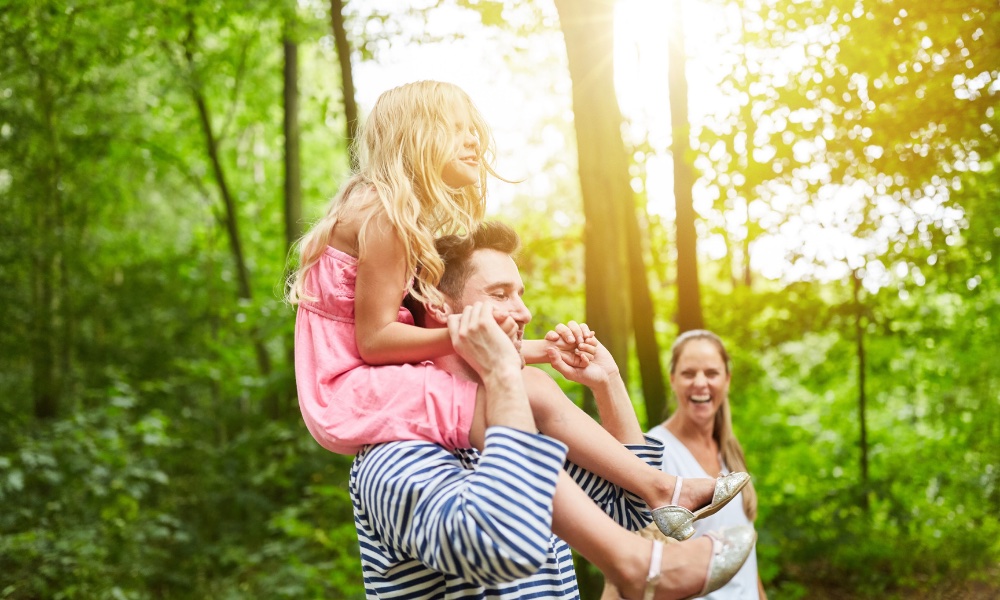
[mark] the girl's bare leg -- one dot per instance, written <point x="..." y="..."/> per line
<point x="622" y="555"/>
<point x="594" y="449"/>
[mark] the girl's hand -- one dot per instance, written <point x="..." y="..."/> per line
<point x="600" y="370"/>
<point x="574" y="342"/>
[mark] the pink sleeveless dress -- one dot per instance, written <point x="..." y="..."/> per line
<point x="346" y="403"/>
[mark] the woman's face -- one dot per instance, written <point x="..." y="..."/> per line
<point x="699" y="381"/>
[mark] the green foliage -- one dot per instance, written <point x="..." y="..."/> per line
<point x="130" y="503"/>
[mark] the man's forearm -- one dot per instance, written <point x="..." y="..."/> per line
<point x="506" y="401"/>
<point x="502" y="510"/>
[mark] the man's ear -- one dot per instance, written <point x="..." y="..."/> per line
<point x="438" y="312"/>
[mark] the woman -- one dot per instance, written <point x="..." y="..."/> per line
<point x="699" y="442"/>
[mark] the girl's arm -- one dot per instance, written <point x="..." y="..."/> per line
<point x="382" y="278"/>
<point x="574" y="341"/>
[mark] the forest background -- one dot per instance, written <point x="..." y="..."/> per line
<point x="825" y="196"/>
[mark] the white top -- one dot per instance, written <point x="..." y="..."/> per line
<point x="678" y="460"/>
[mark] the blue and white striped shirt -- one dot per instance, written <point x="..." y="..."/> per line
<point x="440" y="525"/>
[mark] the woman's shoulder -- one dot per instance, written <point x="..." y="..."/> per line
<point x="661" y="433"/>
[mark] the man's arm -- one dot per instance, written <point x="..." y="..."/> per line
<point x="414" y="502"/>
<point x="417" y="503"/>
<point x="618" y="417"/>
<point x="601" y="375"/>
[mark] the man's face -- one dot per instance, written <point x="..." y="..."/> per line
<point x="496" y="281"/>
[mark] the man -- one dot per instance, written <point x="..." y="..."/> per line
<point x="437" y="524"/>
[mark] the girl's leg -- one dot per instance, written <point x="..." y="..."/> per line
<point x="594" y="449"/>
<point x="622" y="555"/>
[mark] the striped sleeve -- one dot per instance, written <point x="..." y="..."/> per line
<point x="492" y="524"/>
<point x="626" y="508"/>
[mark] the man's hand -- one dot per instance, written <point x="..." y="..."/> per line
<point x="508" y="325"/>
<point x="481" y="342"/>
<point x="483" y="345"/>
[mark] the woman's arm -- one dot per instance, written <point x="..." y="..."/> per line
<point x="382" y="279"/>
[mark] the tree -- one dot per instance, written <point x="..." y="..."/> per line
<point x="688" y="290"/>
<point x="64" y="89"/>
<point x="603" y="168"/>
<point x="293" y="167"/>
<point x="346" y="73"/>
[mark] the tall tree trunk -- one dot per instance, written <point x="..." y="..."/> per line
<point x="231" y="222"/>
<point x="587" y="27"/>
<point x="745" y="189"/>
<point x="689" y="314"/>
<point x="862" y="400"/>
<point x="346" y="74"/>
<point x="647" y="349"/>
<point x="747" y="273"/>
<point x="46" y="377"/>
<point x="293" y="178"/>
<point x="44" y="380"/>
<point x="293" y="182"/>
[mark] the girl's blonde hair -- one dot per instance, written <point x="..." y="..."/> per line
<point x="722" y="432"/>
<point x="401" y="152"/>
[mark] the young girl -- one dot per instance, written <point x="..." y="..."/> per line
<point x="363" y="369"/>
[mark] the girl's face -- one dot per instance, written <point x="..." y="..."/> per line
<point x="700" y="380"/>
<point x="463" y="168"/>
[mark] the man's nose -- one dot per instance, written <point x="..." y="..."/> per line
<point x="521" y="314"/>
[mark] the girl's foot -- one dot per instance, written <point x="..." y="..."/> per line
<point x="692" y="494"/>
<point x="689" y="569"/>
<point x="676" y="519"/>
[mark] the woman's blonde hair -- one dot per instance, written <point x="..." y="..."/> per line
<point x="401" y="152"/>
<point x="722" y="432"/>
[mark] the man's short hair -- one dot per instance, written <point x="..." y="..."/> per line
<point x="456" y="253"/>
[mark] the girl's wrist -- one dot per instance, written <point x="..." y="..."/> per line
<point x="535" y="351"/>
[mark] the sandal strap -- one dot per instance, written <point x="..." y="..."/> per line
<point x="677" y="490"/>
<point x="655" y="564"/>
<point x="716" y="551"/>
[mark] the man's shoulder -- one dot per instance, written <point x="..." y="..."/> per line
<point x="413" y="454"/>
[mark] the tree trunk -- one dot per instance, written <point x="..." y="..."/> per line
<point x="293" y="178"/>
<point x="232" y="225"/>
<point x="46" y="380"/>
<point x="44" y="383"/>
<point x="346" y="74"/>
<point x="293" y="188"/>
<point x="688" y="294"/>
<point x="647" y="348"/>
<point x="587" y="27"/>
<point x="862" y="400"/>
